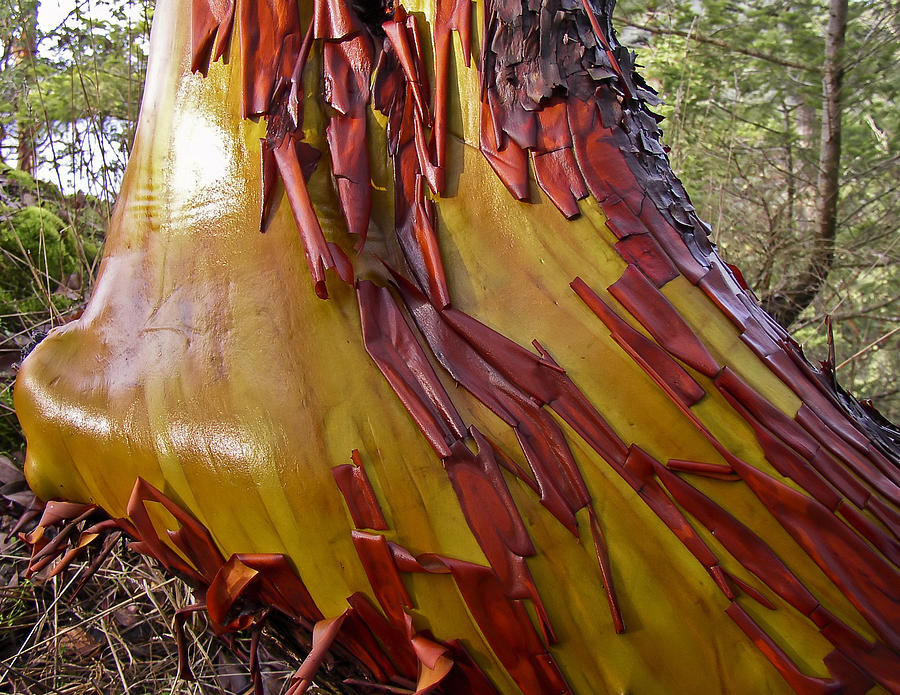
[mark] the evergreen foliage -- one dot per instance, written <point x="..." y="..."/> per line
<point x="742" y="83"/>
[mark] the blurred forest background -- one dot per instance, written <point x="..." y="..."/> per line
<point x="783" y="123"/>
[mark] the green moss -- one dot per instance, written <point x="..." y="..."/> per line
<point x="36" y="238"/>
<point x="21" y="179"/>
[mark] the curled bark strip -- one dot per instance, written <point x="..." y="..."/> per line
<point x="184" y="665"/>
<point x="211" y="22"/>
<point x="324" y="634"/>
<point x="392" y="640"/>
<point x="354" y="485"/>
<point x="279" y="586"/>
<point x="347" y="70"/>
<point x="391" y="344"/>
<point x="383" y="575"/>
<point x="229" y="583"/>
<point x="315" y="248"/>
<point x="404" y="38"/>
<point x="334" y="19"/>
<point x="270" y="43"/>
<point x="208" y="559"/>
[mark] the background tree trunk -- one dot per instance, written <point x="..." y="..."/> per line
<point x="787" y="305"/>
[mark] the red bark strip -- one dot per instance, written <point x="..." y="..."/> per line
<point x="450" y="15"/>
<point x="865" y="578"/>
<point x="609" y="589"/>
<point x="872" y="533"/>
<point x="413" y="213"/>
<point x="620" y="220"/>
<point x="558" y="176"/>
<point x="381" y="570"/>
<point x="404" y="38"/>
<point x="885" y="514"/>
<point x="726" y="293"/>
<point x="876" y="660"/>
<point x="670" y="375"/>
<point x="639" y="473"/>
<point x="334" y="19"/>
<point x="764" y="412"/>
<point x="270" y="43"/>
<point x="354" y="485"/>
<point x="507" y="628"/>
<point x="392" y="345"/>
<point x="207" y="560"/>
<point x="707" y="470"/>
<point x="886" y="485"/>
<point x="649" y="306"/>
<point x="315" y="248"/>
<point x="751" y="591"/>
<point x="644" y="252"/>
<point x="280" y="587"/>
<point x="347" y="70"/>
<point x="225" y="589"/>
<point x="613" y="184"/>
<point x="382" y="640"/>
<point x="802" y="471"/>
<point x="509" y="161"/>
<point x="521" y="126"/>
<point x="471" y="679"/>
<point x="799" y="681"/>
<point x="545" y="381"/>
<point x="211" y="22"/>
<point x="541" y="439"/>
<point x="742" y="543"/>
<point x="324" y="634"/>
<point x="692" y="265"/>
<point x="268" y="176"/>
<point x="492" y="515"/>
<point x="605" y="170"/>
<point x="491" y="512"/>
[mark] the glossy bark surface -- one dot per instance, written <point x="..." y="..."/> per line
<point x="659" y="495"/>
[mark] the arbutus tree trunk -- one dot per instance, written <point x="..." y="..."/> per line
<point x="406" y="334"/>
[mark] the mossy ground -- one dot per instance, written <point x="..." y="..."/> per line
<point x="50" y="245"/>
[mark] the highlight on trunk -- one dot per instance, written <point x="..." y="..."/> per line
<point x="538" y="438"/>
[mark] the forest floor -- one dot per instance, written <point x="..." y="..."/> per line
<point x="113" y="634"/>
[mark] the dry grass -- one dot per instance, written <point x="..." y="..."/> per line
<point x="114" y="634"/>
